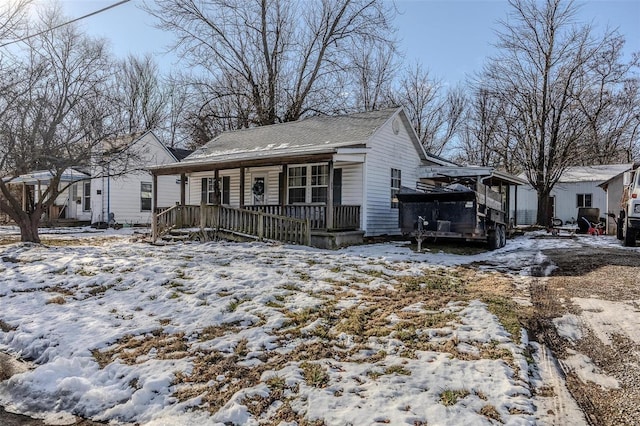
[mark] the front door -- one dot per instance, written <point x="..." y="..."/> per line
<point x="259" y="189"/>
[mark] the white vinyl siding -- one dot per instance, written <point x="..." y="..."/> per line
<point x="270" y="173"/>
<point x="387" y="150"/>
<point x="565" y="194"/>
<point x="121" y="195"/>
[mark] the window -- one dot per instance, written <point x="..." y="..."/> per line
<point x="308" y="190"/>
<point x="208" y="190"/>
<point x="297" y="184"/>
<point x="86" y="196"/>
<point x="583" y="200"/>
<point x="319" y="183"/>
<point x="145" y="196"/>
<point x="396" y="179"/>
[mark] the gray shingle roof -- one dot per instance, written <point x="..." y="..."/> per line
<point x="309" y="135"/>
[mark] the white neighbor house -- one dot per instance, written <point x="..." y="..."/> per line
<point x="578" y="187"/>
<point x="127" y="197"/>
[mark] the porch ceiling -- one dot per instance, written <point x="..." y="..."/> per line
<point x="234" y="163"/>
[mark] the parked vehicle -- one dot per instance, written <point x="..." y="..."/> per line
<point x="467" y="210"/>
<point x="628" y="221"/>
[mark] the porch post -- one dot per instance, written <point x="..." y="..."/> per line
<point x="285" y="188"/>
<point x="154" y="203"/>
<point x="154" y="192"/>
<point x="183" y="181"/>
<point x="241" y="187"/>
<point x="329" y="216"/>
<point x="216" y="187"/>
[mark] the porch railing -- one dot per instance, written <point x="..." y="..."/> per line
<point x="345" y="217"/>
<point x="253" y="223"/>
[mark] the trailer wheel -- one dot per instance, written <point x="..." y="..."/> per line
<point x="629" y="236"/>
<point x="502" y="231"/>
<point x="493" y="239"/>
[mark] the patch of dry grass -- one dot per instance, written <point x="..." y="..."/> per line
<point x="130" y="349"/>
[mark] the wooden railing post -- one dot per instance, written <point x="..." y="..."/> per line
<point x="260" y="225"/>
<point x="179" y="216"/>
<point x="307" y="232"/>
<point x="154" y="226"/>
<point x="203" y="215"/>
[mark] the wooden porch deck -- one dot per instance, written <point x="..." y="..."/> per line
<point x="265" y="222"/>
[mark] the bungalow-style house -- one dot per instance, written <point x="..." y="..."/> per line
<point x="578" y="187"/>
<point x="339" y="173"/>
<point x="116" y="192"/>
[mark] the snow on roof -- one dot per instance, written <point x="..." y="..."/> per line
<point x="320" y="132"/>
<point x="598" y="173"/>
<point x="44" y="176"/>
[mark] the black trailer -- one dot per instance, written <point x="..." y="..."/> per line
<point x="457" y="207"/>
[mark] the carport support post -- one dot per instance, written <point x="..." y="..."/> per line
<point x="183" y="182"/>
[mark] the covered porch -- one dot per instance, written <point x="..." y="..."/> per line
<point x="295" y="199"/>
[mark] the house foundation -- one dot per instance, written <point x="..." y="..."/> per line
<point x="335" y="240"/>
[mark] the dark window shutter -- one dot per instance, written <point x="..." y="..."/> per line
<point x="226" y="190"/>
<point x="203" y="190"/>
<point x="337" y="187"/>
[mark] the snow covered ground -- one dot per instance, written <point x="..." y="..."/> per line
<point x="247" y="334"/>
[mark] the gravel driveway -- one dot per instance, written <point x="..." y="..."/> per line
<point x="587" y="312"/>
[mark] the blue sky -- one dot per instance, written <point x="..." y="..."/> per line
<point x="451" y="38"/>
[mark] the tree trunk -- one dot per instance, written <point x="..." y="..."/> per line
<point x="28" y="224"/>
<point x="542" y="216"/>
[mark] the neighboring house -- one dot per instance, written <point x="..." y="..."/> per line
<point x="613" y="188"/>
<point x="340" y="172"/>
<point x="578" y="187"/>
<point x="121" y="192"/>
<point x="68" y="204"/>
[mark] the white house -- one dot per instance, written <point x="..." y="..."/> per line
<point x="118" y="191"/>
<point x="578" y="187"/>
<point x="122" y="193"/>
<point x="67" y="205"/>
<point x="340" y="172"/>
<point x="614" y="187"/>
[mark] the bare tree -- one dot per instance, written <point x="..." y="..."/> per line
<point x="540" y="72"/>
<point x="140" y="94"/>
<point x="610" y="103"/>
<point x="53" y="115"/>
<point x="435" y="115"/>
<point x="13" y="16"/>
<point x="373" y="70"/>
<point x="282" y="55"/>
<point x="485" y="136"/>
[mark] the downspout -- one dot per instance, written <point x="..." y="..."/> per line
<point x="108" y="195"/>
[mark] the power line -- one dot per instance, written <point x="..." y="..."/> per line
<point x="66" y="23"/>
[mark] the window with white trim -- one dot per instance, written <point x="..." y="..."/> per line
<point x="319" y="183"/>
<point x="308" y="184"/>
<point x="145" y="196"/>
<point x="396" y="179"/>
<point x="297" y="184"/>
<point x="584" y="200"/>
<point x="86" y="196"/>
